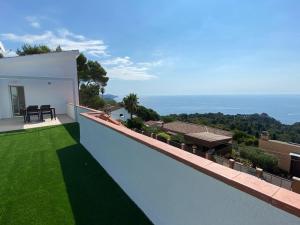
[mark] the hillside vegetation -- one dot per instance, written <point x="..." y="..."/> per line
<point x="252" y="124"/>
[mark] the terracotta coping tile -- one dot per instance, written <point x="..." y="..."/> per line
<point x="255" y="186"/>
<point x="278" y="197"/>
<point x="221" y="172"/>
<point x="287" y="200"/>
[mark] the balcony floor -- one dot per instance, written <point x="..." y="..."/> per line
<point x="47" y="177"/>
<point x="17" y="123"/>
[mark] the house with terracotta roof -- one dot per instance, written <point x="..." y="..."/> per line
<point x="204" y="137"/>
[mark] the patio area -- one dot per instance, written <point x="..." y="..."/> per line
<point x="17" y="123"/>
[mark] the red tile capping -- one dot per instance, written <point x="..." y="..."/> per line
<point x="279" y="197"/>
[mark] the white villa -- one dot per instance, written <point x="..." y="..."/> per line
<point x="169" y="184"/>
<point x="119" y="113"/>
<point x="42" y="79"/>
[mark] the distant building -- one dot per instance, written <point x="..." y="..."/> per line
<point x="118" y="112"/>
<point x="288" y="154"/>
<point x="204" y="137"/>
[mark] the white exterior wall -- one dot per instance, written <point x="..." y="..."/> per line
<point x="170" y="192"/>
<point x="71" y="111"/>
<point x="47" y="79"/>
<point x="116" y="114"/>
<point x="5" y="108"/>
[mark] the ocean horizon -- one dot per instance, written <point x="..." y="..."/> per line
<point x="285" y="108"/>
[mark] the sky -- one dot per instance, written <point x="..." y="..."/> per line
<point x="178" y="47"/>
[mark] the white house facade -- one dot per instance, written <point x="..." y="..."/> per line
<point x="120" y="113"/>
<point x="41" y="79"/>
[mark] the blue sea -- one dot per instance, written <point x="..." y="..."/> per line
<point x="285" y="108"/>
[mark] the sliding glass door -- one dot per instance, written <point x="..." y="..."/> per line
<point x="17" y="99"/>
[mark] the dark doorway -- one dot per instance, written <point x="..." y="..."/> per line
<point x="295" y="164"/>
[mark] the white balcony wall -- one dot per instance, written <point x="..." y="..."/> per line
<point x="170" y="192"/>
<point x="57" y="64"/>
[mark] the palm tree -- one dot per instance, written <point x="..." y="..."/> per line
<point x="131" y="103"/>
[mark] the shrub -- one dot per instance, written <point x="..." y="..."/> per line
<point x="154" y="130"/>
<point x="136" y="123"/>
<point x="242" y="137"/>
<point x="177" y="138"/>
<point x="259" y="158"/>
<point x="164" y="136"/>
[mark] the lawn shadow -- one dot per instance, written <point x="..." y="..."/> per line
<point x="94" y="197"/>
<point x="73" y="129"/>
<point x="12" y="132"/>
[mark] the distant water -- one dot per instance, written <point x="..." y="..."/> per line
<point x="285" y="108"/>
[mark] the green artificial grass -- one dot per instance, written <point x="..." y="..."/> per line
<point x="47" y="177"/>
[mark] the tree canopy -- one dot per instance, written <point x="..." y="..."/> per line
<point x="27" y="49"/>
<point x="146" y="114"/>
<point x="90" y="71"/>
<point x="92" y="79"/>
<point x="89" y="96"/>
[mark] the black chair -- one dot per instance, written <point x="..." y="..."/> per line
<point x="32" y="110"/>
<point x="23" y="113"/>
<point x="46" y="110"/>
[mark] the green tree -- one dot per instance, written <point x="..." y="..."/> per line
<point x="91" y="76"/>
<point x="102" y="90"/>
<point x="131" y="103"/>
<point x="27" y="49"/>
<point x="89" y="96"/>
<point x="147" y="114"/>
<point x="90" y="71"/>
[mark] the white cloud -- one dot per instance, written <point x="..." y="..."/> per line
<point x="129" y="73"/>
<point x="66" y="39"/>
<point x="33" y="21"/>
<point x="125" y="69"/>
<point x="118" y="61"/>
<point x="151" y="64"/>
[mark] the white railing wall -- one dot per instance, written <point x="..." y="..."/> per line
<point x="74" y="111"/>
<point x="170" y="192"/>
<point x="71" y="111"/>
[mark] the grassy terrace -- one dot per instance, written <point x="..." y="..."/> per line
<point x="47" y="177"/>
